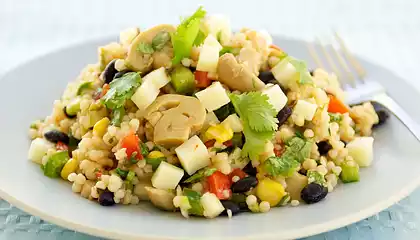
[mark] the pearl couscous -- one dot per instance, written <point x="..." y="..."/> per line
<point x="201" y="120"/>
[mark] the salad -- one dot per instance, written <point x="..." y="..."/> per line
<point x="197" y="119"/>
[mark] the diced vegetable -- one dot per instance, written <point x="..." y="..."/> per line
<point x="219" y="184"/>
<point x="200" y="175"/>
<point x="145" y="95"/>
<point x="234" y="123"/>
<point x="237" y="172"/>
<point x="60" y="146"/>
<point x="270" y="191"/>
<point x="195" y="203"/>
<point x="167" y="176"/>
<point x="225" y="111"/>
<point x="211" y="205"/>
<point x="100" y="128"/>
<point x="38" y="149"/>
<point x="336" y="105"/>
<point x="154" y="158"/>
<point x="276" y="97"/>
<point x="144" y="149"/>
<point x="202" y="79"/>
<point x="213" y="97"/>
<point x="55" y="164"/>
<point x="155" y="154"/>
<point x="193" y="155"/>
<point x="349" y="172"/>
<point x="306" y="109"/>
<point x="83" y="87"/>
<point x="73" y="107"/>
<point x="237" y="140"/>
<point x="221" y="133"/>
<point x="183" y="80"/>
<point x="122" y="173"/>
<point x="70" y="167"/>
<point x="158" y="77"/>
<point x="284" y="72"/>
<point x="131" y="144"/>
<point x="361" y="149"/>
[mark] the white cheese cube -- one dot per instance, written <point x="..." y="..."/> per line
<point x="361" y="149"/>
<point x="158" y="77"/>
<point x="305" y="109"/>
<point x="145" y="95"/>
<point x="193" y="155"/>
<point x="208" y="59"/>
<point x="276" y="97"/>
<point x="211" y="205"/>
<point x="38" y="149"/>
<point x="211" y="41"/>
<point x="167" y="176"/>
<point x="213" y="97"/>
<point x="234" y="123"/>
<point x="218" y="25"/>
<point x="284" y="72"/>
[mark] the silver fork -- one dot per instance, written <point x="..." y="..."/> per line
<point x="358" y="89"/>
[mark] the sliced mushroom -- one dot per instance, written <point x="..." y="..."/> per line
<point x="162" y="199"/>
<point x="237" y="76"/>
<point x="251" y="59"/>
<point x="138" y="61"/>
<point x="140" y="190"/>
<point x="181" y="117"/>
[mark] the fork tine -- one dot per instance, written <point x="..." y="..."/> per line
<point x="314" y="55"/>
<point x="345" y="66"/>
<point x="353" y="61"/>
<point x="329" y="58"/>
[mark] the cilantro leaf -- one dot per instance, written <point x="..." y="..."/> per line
<point x="117" y="116"/>
<point x="121" y="89"/>
<point x="255" y="142"/>
<point x="146" y="48"/>
<point x="316" y="177"/>
<point x="255" y="109"/>
<point x="298" y="148"/>
<point x="300" y="66"/>
<point x="160" y="40"/>
<point x="284" y="165"/>
<point x="185" y="35"/>
<point x="200" y="174"/>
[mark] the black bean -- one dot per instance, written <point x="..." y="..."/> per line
<point x="109" y="72"/>
<point x="324" y="147"/>
<point x="244" y="184"/>
<point x="56" y="136"/>
<point x="240" y="200"/>
<point x="68" y="115"/>
<point x="233" y="207"/>
<point x="311" y="72"/>
<point x="284" y="114"/>
<point x="313" y="193"/>
<point x="250" y="170"/>
<point x="266" y="77"/>
<point x="121" y="73"/>
<point x="106" y="198"/>
<point x="383" y="114"/>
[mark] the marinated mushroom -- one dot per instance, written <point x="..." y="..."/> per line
<point x="162" y="199"/>
<point x="174" y="118"/>
<point x="236" y="75"/>
<point x="250" y="59"/>
<point x="143" y="62"/>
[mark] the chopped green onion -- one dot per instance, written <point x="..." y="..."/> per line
<point x="122" y="173"/>
<point x="130" y="175"/>
<point x="144" y="149"/>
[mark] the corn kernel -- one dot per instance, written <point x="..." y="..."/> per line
<point x="100" y="128"/>
<point x="270" y="191"/>
<point x="221" y="133"/>
<point x="155" y="154"/>
<point x="70" y="167"/>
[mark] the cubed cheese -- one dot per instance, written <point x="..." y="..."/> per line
<point x="234" y="123"/>
<point x="305" y="109"/>
<point x="211" y="205"/>
<point x="212" y="42"/>
<point x="361" y="149"/>
<point x="38" y="149"/>
<point x="208" y="59"/>
<point x="193" y="155"/>
<point x="276" y="97"/>
<point x="284" y="72"/>
<point x="158" y="77"/>
<point x="213" y="97"/>
<point x="145" y="95"/>
<point x="167" y="176"/>
<point x="218" y="25"/>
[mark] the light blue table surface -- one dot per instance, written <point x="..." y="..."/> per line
<point x="383" y="31"/>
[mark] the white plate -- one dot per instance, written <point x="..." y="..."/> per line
<point x="29" y="91"/>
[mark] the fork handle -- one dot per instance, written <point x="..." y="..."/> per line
<point x="399" y="112"/>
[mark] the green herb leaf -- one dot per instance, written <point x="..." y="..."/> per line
<point x="122" y="173"/>
<point x="299" y="134"/>
<point x="144" y="149"/>
<point x="284" y="165"/>
<point x="121" y="89"/>
<point x="200" y="175"/>
<point x="84" y="86"/>
<point x="335" y="117"/>
<point x="155" y="162"/>
<point x="200" y="38"/>
<point x="300" y="66"/>
<point x="185" y="35"/>
<point x="297" y="148"/>
<point x="160" y="40"/>
<point x="255" y="142"/>
<point x="194" y="200"/>
<point x="145" y="48"/>
<point x="316" y="177"/>
<point x="255" y="109"/>
<point x="117" y="116"/>
<point x="55" y="164"/>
